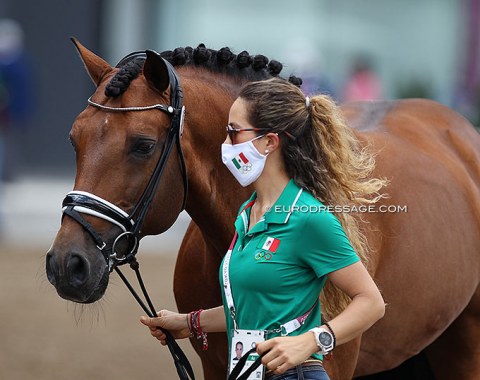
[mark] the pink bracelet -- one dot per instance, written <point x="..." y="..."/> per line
<point x="196" y="329"/>
<point x="189" y="325"/>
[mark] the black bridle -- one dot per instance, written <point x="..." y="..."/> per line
<point x="80" y="202"/>
<point x="77" y="203"/>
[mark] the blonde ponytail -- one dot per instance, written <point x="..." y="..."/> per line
<point x="346" y="181"/>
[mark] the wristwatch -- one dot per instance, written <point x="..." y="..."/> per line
<point x="324" y="339"/>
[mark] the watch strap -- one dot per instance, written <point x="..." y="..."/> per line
<point x="323" y="350"/>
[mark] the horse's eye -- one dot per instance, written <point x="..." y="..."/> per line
<point x="144" y="148"/>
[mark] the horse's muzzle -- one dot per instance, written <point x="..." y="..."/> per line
<point x="74" y="278"/>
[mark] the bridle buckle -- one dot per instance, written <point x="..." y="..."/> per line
<point x="102" y="247"/>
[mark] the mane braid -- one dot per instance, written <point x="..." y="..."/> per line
<point x="122" y="79"/>
<point x="242" y="66"/>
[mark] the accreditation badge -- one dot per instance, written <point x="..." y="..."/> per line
<point x="242" y="342"/>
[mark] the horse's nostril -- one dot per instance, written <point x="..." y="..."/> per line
<point x="51" y="268"/>
<point x="78" y="270"/>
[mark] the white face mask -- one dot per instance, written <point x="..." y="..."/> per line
<point x="244" y="161"/>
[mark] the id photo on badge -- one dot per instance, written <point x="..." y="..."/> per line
<point x="242" y="342"/>
<point x="238" y="350"/>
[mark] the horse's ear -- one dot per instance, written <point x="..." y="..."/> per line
<point x="96" y="66"/>
<point x="156" y="72"/>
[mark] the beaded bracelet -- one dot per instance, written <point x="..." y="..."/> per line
<point x="189" y="325"/>
<point x="196" y="330"/>
<point x="333" y="334"/>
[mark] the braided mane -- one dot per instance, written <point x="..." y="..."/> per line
<point x="242" y="65"/>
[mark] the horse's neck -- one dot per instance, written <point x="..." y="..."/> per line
<point x="214" y="196"/>
<point x="212" y="203"/>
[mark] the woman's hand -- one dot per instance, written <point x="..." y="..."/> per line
<point x="174" y="322"/>
<point x="286" y="352"/>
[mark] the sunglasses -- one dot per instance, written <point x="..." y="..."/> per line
<point x="232" y="132"/>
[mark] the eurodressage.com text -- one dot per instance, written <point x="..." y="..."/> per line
<point x="343" y="208"/>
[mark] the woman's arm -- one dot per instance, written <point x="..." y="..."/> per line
<point x="367" y="304"/>
<point x="211" y="320"/>
<point x="366" y="308"/>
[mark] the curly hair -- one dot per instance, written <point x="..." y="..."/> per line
<point x="321" y="154"/>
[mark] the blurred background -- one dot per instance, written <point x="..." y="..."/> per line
<point x="373" y="49"/>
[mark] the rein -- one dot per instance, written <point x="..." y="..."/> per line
<point x="77" y="203"/>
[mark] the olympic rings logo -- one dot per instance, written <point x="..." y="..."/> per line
<point x="246" y="168"/>
<point x="263" y="255"/>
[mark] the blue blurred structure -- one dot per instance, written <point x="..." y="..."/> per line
<point x="15" y="90"/>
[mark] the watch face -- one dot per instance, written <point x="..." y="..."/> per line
<point x="325" y="339"/>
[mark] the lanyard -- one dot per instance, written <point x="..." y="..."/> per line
<point x="285" y="328"/>
<point x="226" y="281"/>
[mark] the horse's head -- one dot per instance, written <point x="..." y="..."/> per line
<point x="120" y="141"/>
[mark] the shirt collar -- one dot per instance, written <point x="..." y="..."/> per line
<point x="279" y="213"/>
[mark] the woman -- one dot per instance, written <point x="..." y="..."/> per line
<point x="302" y="160"/>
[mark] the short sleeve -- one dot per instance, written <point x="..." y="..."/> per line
<point x="325" y="247"/>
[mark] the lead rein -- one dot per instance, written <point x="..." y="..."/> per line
<point x="183" y="366"/>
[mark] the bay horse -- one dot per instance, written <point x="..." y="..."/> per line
<point x="426" y="261"/>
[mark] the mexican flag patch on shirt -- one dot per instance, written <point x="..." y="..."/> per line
<point x="271" y="244"/>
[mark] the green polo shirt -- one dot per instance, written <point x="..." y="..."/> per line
<point x="278" y="268"/>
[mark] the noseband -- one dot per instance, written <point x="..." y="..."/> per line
<point x="78" y="203"/>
